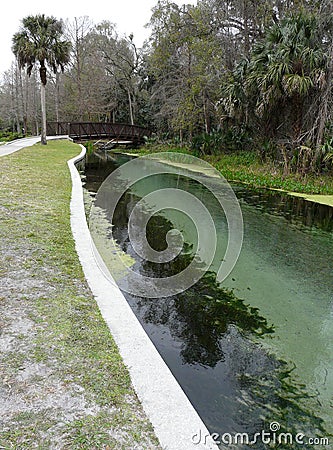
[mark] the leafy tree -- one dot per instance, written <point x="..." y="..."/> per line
<point x="122" y="62"/>
<point x="185" y="62"/>
<point x="80" y="77"/>
<point x="40" y="42"/>
<point x="280" y="85"/>
<point x="288" y="65"/>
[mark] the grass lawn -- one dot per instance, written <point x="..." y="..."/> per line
<point x="63" y="383"/>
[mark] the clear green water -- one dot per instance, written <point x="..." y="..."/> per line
<point x="285" y="269"/>
<point x="238" y="374"/>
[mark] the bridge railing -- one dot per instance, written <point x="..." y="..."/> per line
<point x="57" y="128"/>
<point x="98" y="130"/>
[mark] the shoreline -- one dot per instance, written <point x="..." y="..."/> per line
<point x="322" y="199"/>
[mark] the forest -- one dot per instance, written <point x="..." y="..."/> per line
<point x="221" y="76"/>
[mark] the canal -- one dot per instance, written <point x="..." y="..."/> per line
<point x="256" y="348"/>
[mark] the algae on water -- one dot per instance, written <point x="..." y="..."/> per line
<point x="114" y="258"/>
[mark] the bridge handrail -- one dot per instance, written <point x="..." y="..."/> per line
<point x="86" y="130"/>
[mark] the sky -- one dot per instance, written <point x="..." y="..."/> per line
<point x="130" y="16"/>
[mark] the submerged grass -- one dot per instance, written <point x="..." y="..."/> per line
<point x="63" y="380"/>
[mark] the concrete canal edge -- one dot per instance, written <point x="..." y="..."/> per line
<point x="176" y="423"/>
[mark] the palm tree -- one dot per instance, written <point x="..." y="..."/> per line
<point x="287" y="68"/>
<point x="40" y="42"/>
<point x="279" y="91"/>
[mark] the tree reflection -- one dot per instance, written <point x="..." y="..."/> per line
<point x="213" y="327"/>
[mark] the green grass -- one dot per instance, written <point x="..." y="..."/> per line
<point x="70" y="335"/>
<point x="245" y="167"/>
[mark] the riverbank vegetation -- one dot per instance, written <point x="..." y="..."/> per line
<point x="221" y="77"/>
<point x="247" y="167"/>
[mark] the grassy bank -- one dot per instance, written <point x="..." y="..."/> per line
<point x="64" y="384"/>
<point x="245" y="167"/>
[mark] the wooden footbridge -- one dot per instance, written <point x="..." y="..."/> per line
<point x="113" y="132"/>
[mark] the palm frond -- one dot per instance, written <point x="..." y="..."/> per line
<point x="40" y="39"/>
<point x="297" y="84"/>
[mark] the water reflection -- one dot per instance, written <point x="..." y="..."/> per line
<point x="219" y="346"/>
<point x="294" y="209"/>
<point x="210" y="334"/>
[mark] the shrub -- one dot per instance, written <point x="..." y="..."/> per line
<point x="224" y="140"/>
<point x="6" y="136"/>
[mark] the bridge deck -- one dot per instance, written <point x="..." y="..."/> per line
<point x="99" y="130"/>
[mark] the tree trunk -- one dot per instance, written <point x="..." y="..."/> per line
<point x="42" y="98"/>
<point x="246" y="28"/>
<point x="298" y="122"/>
<point x="205" y="102"/>
<point x="57" y="95"/>
<point x="17" y="100"/>
<point x="23" y="97"/>
<point x="181" y="137"/>
<point x="130" y="107"/>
